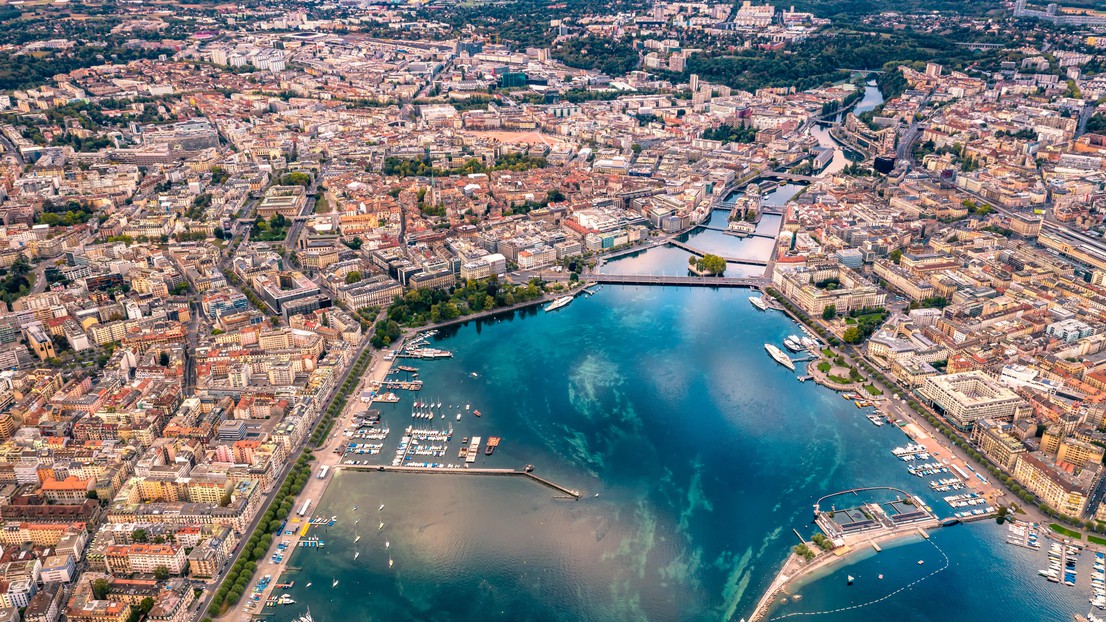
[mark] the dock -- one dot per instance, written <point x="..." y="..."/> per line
<point x="575" y="494"/>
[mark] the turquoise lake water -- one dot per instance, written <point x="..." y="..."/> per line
<point x="705" y="455"/>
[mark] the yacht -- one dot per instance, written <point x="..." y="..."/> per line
<point x="558" y="303"/>
<point x="793" y="343"/>
<point x="779" y="356"/>
<point x="758" y="302"/>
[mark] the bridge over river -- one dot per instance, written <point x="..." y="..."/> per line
<point x="694" y="281"/>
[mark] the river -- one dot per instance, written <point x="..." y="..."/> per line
<point x="696" y="456"/>
<point x="842" y="157"/>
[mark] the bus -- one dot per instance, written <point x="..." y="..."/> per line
<point x="304" y="508"/>
<point x="323" y="471"/>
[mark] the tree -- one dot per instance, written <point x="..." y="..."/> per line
<point x="353" y="277"/>
<point x="100" y="589"/>
<point x="829" y="312"/>
<point x="163" y="359"/>
<point x="896" y="255"/>
<point x="851" y="335"/>
<point x="146" y="605"/>
<point x="161" y="573"/>
<point x="140" y="536"/>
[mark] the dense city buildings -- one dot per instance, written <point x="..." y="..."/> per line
<point x="212" y="219"/>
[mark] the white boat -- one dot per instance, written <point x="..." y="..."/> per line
<point x="779" y="356"/>
<point x="387" y="544"/>
<point x="356" y="554"/>
<point x="335" y="584"/>
<point x="390" y="562"/>
<point x="381" y="508"/>
<point x="558" y="303"/>
<point x="793" y="343"/>
<point x="309" y="584"/>
<point x="758" y="302"/>
<point x="357" y="539"/>
<point x="381" y="526"/>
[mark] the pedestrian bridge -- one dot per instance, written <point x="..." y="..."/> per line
<point x="694" y="281"/>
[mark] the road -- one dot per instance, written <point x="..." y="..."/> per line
<point x="323" y="456"/>
<point x="307" y="209"/>
<point x="9" y="146"/>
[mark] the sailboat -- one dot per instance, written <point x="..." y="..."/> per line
<point x="381" y="508"/>
<point x="387" y="544"/>
<point x="850" y="582"/>
<point x="357" y="539"/>
<point x="381" y="526"/>
<point x="309" y="584"/>
<point x="390" y="562"/>
<point x="335" y="584"/>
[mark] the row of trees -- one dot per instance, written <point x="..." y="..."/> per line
<point x="241" y="573"/>
<point x="340" y="398"/>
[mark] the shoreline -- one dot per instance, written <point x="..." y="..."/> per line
<point x="824" y="561"/>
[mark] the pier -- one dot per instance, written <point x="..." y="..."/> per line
<point x="700" y="281"/>
<point x="575" y="494"/>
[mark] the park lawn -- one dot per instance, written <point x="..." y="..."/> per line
<point x="872" y="390"/>
<point x="1064" y="531"/>
<point x="1096" y="540"/>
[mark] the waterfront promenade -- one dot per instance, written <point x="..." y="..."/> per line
<point x="314" y="490"/>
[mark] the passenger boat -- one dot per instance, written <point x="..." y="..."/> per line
<point x="793" y="343"/>
<point x="758" y="302"/>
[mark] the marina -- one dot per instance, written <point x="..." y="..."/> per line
<point x="564" y="423"/>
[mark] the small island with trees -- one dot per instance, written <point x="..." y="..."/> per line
<point x="707" y="265"/>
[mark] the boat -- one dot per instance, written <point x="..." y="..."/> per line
<point x="305" y="617"/>
<point x="779" y="356"/>
<point x="381" y="526"/>
<point x="458" y="416"/>
<point x="474" y="375"/>
<point x="335" y="584"/>
<point x="489" y="449"/>
<point x="558" y="303"/>
<point x="390" y="562"/>
<point x="850" y="580"/>
<point x="356" y="507"/>
<point x="387" y="544"/>
<point x="356" y="554"/>
<point x="758" y="302"/>
<point x="792" y="342"/>
<point x="880" y="576"/>
<point x="381" y="508"/>
<point x="357" y="539"/>
<point x="310" y="584"/>
<point x="921" y="561"/>
<point x="476" y="412"/>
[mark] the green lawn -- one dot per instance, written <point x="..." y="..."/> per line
<point x="1064" y="531"/>
<point x="1096" y="540"/>
<point x="838" y="379"/>
<point x="872" y="390"/>
<point x="824" y="366"/>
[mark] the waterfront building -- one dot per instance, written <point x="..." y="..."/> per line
<point x="969" y="396"/>
<point x="813" y="288"/>
<point x="997" y="443"/>
<point x="1063" y="491"/>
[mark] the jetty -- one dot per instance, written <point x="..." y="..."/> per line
<point x="571" y="492"/>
